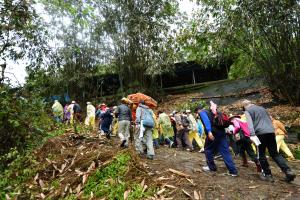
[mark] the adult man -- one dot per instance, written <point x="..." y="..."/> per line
<point x="143" y="131"/>
<point x="215" y="141"/>
<point x="182" y="124"/>
<point x="58" y="111"/>
<point x="123" y="113"/>
<point x="90" y="115"/>
<point x="260" y="124"/>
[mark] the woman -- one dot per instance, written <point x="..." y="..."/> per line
<point x="242" y="136"/>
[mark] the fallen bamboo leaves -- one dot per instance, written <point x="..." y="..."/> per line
<point x="196" y="195"/>
<point x="186" y="193"/>
<point x="126" y="194"/>
<point x="178" y="172"/>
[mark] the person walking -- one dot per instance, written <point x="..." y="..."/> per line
<point x="123" y="113"/>
<point x="144" y="125"/>
<point x="260" y="125"/>
<point x="182" y="124"/>
<point x="58" y="111"/>
<point x="281" y="133"/>
<point x="90" y="115"/>
<point x="67" y="114"/>
<point x="76" y="112"/>
<point x="106" y="120"/>
<point x="201" y="131"/>
<point x="165" y="127"/>
<point x="193" y="127"/>
<point x="71" y="111"/>
<point x="215" y="141"/>
<point x="241" y="134"/>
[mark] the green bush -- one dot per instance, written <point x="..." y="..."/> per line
<point x="190" y="105"/>
<point x="24" y="123"/>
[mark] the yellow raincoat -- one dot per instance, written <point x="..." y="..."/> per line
<point x="57" y="109"/>
<point x="90" y="115"/>
<point x="165" y="125"/>
<point x="155" y="129"/>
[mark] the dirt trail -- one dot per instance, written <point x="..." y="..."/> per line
<point x="217" y="185"/>
<point x="70" y="159"/>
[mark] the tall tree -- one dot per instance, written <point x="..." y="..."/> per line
<point x="266" y="33"/>
<point x="21" y="34"/>
<point x="130" y="38"/>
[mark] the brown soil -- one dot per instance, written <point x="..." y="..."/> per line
<point x="66" y="162"/>
<point x="217" y="185"/>
<point x="81" y="155"/>
<point x="288" y="114"/>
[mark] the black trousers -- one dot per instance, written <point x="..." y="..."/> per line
<point x="245" y="146"/>
<point x="268" y="142"/>
<point x="182" y="138"/>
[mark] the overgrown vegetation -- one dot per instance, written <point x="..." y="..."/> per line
<point x="17" y="167"/>
<point x="262" y="37"/>
<point x="23" y="120"/>
<point x="191" y="105"/>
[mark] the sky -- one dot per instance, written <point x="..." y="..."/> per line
<point x="16" y="71"/>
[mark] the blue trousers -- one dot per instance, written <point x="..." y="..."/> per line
<point x="219" y="144"/>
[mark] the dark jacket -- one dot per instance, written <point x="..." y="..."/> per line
<point x="124" y="113"/>
<point x="106" y="120"/>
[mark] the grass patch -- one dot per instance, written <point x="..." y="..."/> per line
<point x="110" y="181"/>
<point x="297" y="153"/>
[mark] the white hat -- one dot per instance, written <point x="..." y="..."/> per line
<point x="73" y="102"/>
<point x="188" y="111"/>
<point x="88" y="103"/>
<point x="246" y="102"/>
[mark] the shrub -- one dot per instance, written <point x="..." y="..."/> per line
<point x="23" y="123"/>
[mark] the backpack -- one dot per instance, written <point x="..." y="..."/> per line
<point x="185" y="121"/>
<point x="76" y="108"/>
<point x="220" y="120"/>
<point x="148" y="120"/>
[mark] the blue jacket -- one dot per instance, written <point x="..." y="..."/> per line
<point x="206" y="121"/>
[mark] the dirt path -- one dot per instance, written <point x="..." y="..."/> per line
<point x="69" y="159"/>
<point x="216" y="185"/>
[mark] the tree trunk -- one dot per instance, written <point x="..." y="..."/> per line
<point x="3" y="67"/>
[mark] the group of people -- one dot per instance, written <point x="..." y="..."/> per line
<point x="208" y="129"/>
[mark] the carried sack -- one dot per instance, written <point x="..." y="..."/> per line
<point x="148" y="120"/>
